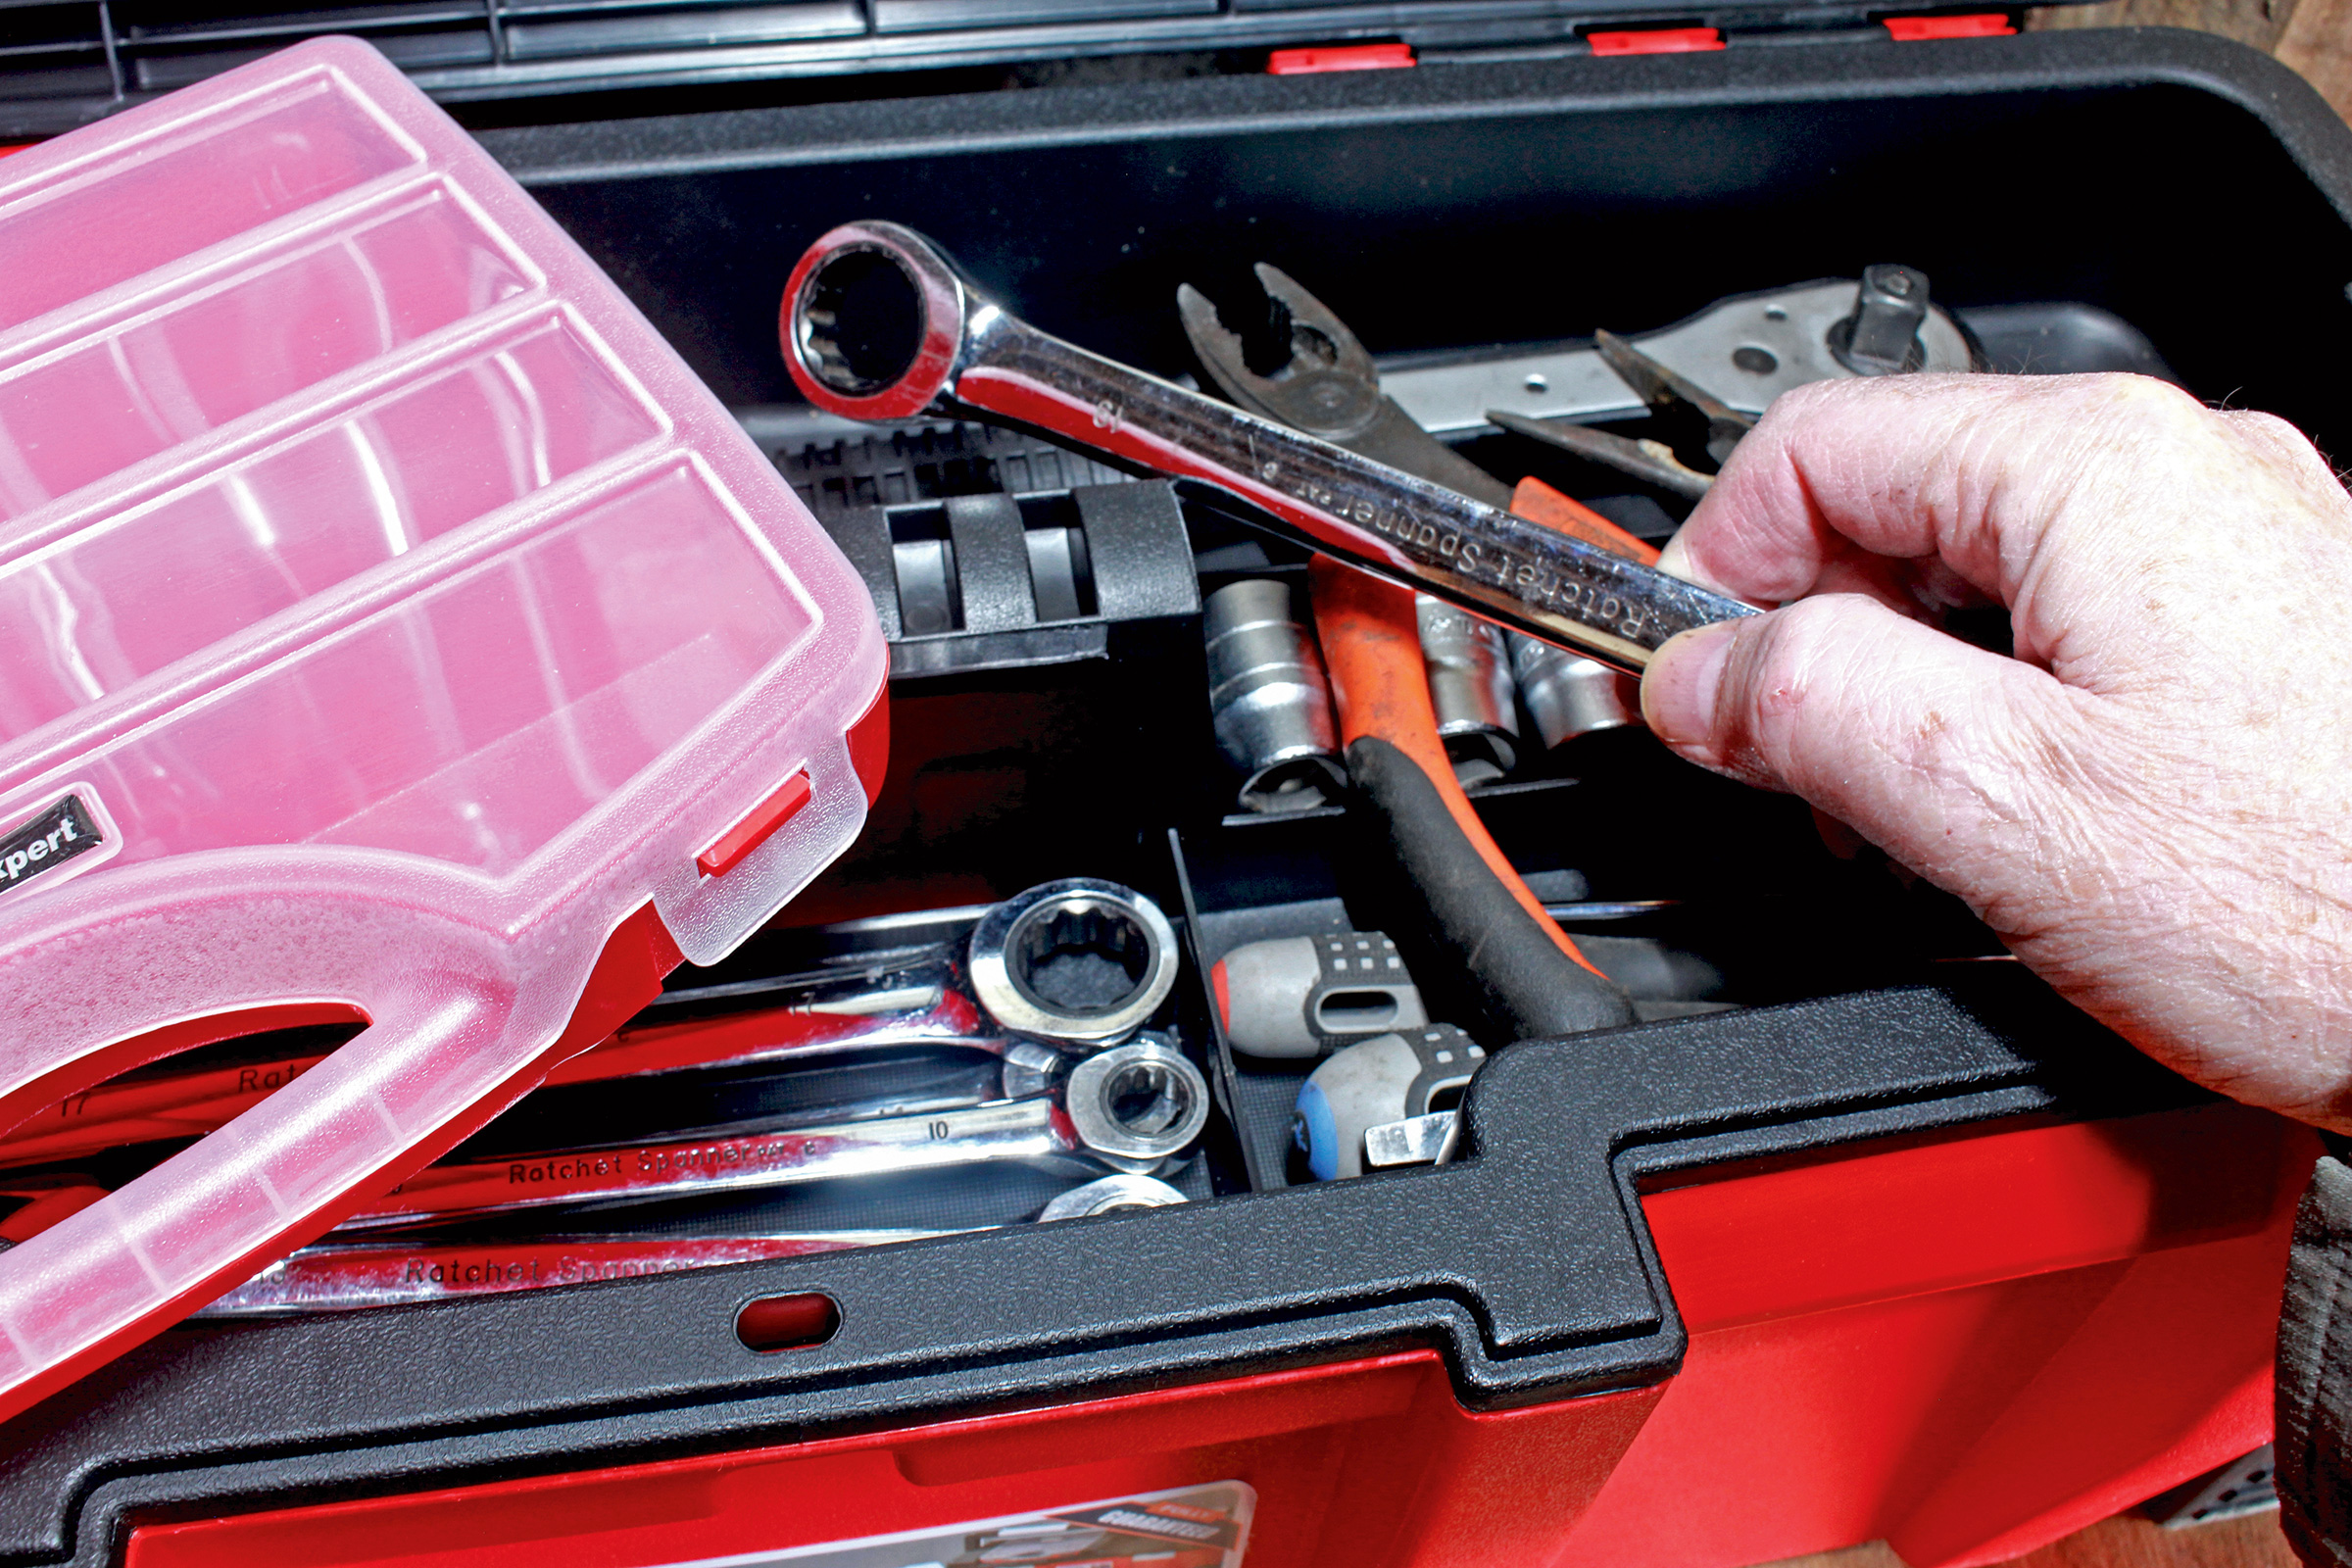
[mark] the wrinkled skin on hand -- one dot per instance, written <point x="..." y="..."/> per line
<point x="2151" y="804"/>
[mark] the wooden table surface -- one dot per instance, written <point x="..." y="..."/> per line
<point x="2250" y="1542"/>
<point x="2315" y="37"/>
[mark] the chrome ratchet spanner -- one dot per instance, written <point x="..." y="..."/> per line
<point x="1134" y="1107"/>
<point x="333" y="1276"/>
<point x="879" y="325"/>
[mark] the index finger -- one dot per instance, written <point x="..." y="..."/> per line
<point x="1972" y="471"/>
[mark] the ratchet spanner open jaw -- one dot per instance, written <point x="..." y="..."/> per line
<point x="879" y="325"/>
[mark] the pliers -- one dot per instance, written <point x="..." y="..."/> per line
<point x="1652" y="462"/>
<point x="1882" y="337"/>
<point x="1525" y="978"/>
<point x="1329" y="388"/>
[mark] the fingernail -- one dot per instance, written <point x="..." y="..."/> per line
<point x="1674" y="559"/>
<point x="1680" y="688"/>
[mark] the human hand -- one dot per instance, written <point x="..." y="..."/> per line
<point x="2151" y="804"/>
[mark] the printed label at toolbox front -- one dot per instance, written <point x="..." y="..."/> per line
<point x="1191" y="1526"/>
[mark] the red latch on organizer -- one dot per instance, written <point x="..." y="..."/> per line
<point x="1655" y="41"/>
<point x="869" y="745"/>
<point x="753" y="830"/>
<point x="1349" y="56"/>
<point x="1981" y="25"/>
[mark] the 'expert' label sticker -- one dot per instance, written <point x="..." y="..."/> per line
<point x="65" y="830"/>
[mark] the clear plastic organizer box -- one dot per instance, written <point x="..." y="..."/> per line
<point x="391" y="626"/>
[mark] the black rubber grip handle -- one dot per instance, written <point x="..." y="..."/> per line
<point x="1520" y="982"/>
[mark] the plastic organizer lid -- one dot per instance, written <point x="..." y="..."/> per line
<point x="388" y="618"/>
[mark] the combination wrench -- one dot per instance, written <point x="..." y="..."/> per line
<point x="925" y="998"/>
<point x="336" y="1277"/>
<point x="1132" y="1107"/>
<point x="877" y="324"/>
<point x="809" y="1019"/>
<point x="1132" y="1110"/>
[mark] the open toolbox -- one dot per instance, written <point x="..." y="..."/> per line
<point x="1863" y="1235"/>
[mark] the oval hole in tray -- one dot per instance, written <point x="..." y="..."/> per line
<point x="788" y="1322"/>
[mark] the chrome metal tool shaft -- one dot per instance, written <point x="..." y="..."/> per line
<point x="878" y="324"/>
<point x="1132" y="1107"/>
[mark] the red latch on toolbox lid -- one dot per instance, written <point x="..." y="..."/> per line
<point x="1347" y="57"/>
<point x="753" y="830"/>
<point x="1982" y="25"/>
<point x="1655" y="41"/>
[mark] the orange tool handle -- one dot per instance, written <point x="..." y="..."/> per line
<point x="1520" y="968"/>
<point x="1538" y="502"/>
<point x="1380" y="683"/>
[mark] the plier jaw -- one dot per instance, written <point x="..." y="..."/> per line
<point x="1666" y="390"/>
<point x="1882" y="337"/>
<point x="1329" y="386"/>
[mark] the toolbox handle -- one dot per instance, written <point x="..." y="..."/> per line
<point x="459" y="1026"/>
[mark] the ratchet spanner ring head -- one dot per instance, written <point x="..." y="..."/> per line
<point x="873" y="323"/>
<point x="1138" y="1106"/>
<point x="1076" y="916"/>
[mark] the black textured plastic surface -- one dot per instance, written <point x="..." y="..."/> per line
<point x="991" y="565"/>
<point x="1431" y="208"/>
<point x="1142" y="556"/>
<point x="864" y="535"/>
<point x="985" y="581"/>
<point x="75" y="62"/>
<point x="832" y="471"/>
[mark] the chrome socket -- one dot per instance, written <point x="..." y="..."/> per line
<point x="1270" y="699"/>
<point x="1471" y="688"/>
<point x="1565" y="695"/>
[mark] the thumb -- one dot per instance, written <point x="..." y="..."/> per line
<point x="1949" y="757"/>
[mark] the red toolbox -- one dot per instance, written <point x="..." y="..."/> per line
<point x="1899" y="1246"/>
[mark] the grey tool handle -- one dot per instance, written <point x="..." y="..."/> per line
<point x="878" y="324"/>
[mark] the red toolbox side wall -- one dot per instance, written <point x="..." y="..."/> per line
<point x="1350" y="1463"/>
<point x="1968" y="1347"/>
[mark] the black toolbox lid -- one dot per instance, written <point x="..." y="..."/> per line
<point x="63" y="64"/>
